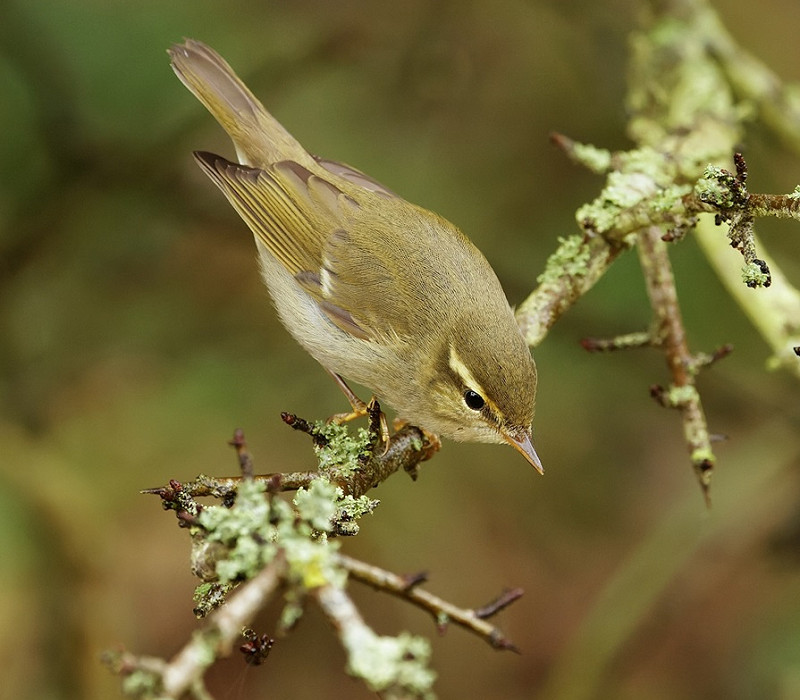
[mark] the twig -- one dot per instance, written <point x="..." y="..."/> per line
<point x="666" y="182"/>
<point x="575" y="267"/>
<point x="442" y="611"/>
<point x="502" y="601"/>
<point x="672" y="336"/>
<point x="775" y="312"/>
<point x="242" y="453"/>
<point x="407" y="449"/>
<point x="222" y="629"/>
<point x="301" y="424"/>
<point x="397" y="666"/>
<point x="224" y="487"/>
<point x="639" y="339"/>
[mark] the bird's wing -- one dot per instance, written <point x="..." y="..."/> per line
<point x="314" y="229"/>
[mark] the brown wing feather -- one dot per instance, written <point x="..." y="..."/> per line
<point x="287" y="207"/>
<point x="280" y="222"/>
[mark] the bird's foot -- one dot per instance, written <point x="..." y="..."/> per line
<point x="378" y="426"/>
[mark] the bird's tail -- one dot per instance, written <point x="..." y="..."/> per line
<point x="259" y="138"/>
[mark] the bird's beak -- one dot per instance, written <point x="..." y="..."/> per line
<point x="524" y="446"/>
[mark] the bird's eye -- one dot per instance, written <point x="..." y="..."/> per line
<point x="474" y="400"/>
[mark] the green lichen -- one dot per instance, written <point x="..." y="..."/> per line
<point x="350" y="510"/>
<point x="341" y="450"/>
<point x="715" y="187"/>
<point x="623" y="191"/>
<point x="703" y="455"/>
<point x="234" y="544"/>
<point x="291" y="614"/>
<point x="245" y="560"/>
<point x="680" y="395"/>
<point x="256" y="526"/>
<point x="317" y="504"/>
<point x="396" y="667"/>
<point x="354" y="508"/>
<point x="326" y="508"/>
<point x="142" y="684"/>
<point x="250" y="512"/>
<point x="669" y="199"/>
<point x="795" y="193"/>
<point x="626" y="189"/>
<point x="571" y="258"/>
<point x="596" y="159"/>
<point x="247" y="530"/>
<point x="313" y="562"/>
<point x="209" y="596"/>
<point x="754" y="276"/>
<point x="644" y="161"/>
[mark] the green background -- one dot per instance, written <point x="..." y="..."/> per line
<point x="135" y="335"/>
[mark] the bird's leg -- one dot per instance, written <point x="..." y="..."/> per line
<point x="378" y="428"/>
<point x="360" y="409"/>
<point x="358" y="406"/>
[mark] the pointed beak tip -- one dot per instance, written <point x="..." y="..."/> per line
<point x="524" y="446"/>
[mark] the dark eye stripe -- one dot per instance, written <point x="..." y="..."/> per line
<point x="474" y="400"/>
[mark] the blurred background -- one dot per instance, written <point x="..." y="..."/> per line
<point x="136" y="335"/>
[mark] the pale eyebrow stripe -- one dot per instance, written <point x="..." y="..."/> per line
<point x="462" y="371"/>
<point x="458" y="366"/>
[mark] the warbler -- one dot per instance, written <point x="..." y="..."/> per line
<point x="378" y="290"/>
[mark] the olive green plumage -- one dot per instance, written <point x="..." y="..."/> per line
<point x="376" y="289"/>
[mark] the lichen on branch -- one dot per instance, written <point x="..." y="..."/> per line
<point x="685" y="122"/>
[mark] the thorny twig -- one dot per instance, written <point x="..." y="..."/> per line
<point x="443" y="612"/>
<point x="320" y="577"/>
<point x="665" y="184"/>
<point x="407" y="449"/>
<point x="670" y="335"/>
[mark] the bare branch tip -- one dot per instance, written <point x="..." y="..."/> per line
<point x="502" y="643"/>
<point x="658" y="394"/>
<point x="561" y="141"/>
<point x="505" y="599"/>
<point x="741" y="167"/>
<point x="301" y="424"/>
<point x="238" y="440"/>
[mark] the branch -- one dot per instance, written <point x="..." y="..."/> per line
<point x="443" y="612"/>
<point x="683" y="118"/>
<point x="575" y="267"/>
<point x="223" y="628"/>
<point x="256" y="536"/>
<point x="397" y="666"/>
<point x="671" y="337"/>
<point x="407" y="449"/>
<point x="753" y="81"/>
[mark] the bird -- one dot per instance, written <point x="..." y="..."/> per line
<point x="378" y="290"/>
